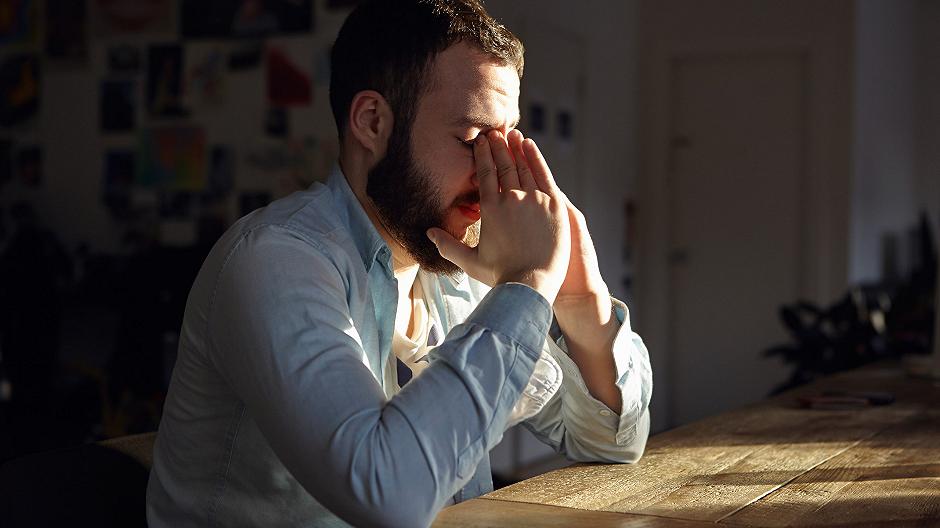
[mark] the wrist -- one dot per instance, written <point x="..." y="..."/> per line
<point x="539" y="282"/>
<point x="587" y="319"/>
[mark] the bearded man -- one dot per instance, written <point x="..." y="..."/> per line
<point x="351" y="353"/>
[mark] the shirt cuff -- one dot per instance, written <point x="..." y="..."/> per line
<point x="516" y="311"/>
<point x="594" y="413"/>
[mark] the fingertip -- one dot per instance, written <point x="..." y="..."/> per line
<point x="432" y="236"/>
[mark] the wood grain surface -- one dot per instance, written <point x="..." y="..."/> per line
<point x="770" y="464"/>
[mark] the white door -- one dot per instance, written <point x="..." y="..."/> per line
<point x="736" y="160"/>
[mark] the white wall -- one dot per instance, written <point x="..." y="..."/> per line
<point x="883" y="193"/>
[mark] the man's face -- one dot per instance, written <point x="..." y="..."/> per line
<point x="427" y="178"/>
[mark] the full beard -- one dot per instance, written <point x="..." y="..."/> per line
<point x="409" y="203"/>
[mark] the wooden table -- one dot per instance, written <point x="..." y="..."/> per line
<point x="769" y="464"/>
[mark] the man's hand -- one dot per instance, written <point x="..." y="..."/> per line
<point x="524" y="236"/>
<point x="582" y="308"/>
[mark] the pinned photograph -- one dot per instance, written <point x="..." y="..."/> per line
<point x="205" y="75"/>
<point x="165" y="81"/>
<point x="110" y="18"/>
<point x="19" y="89"/>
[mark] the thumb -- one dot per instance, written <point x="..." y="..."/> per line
<point x="452" y="249"/>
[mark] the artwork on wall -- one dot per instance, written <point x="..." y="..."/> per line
<point x="29" y="165"/>
<point x="19" y="89"/>
<point x="110" y="18"/>
<point x="244" y="18"/>
<point x="65" y="30"/>
<point x="205" y="76"/>
<point x="117" y="105"/>
<point x="173" y="158"/>
<point x="18" y="23"/>
<point x="288" y="84"/>
<point x="119" y="170"/>
<point x="165" y="81"/>
<point x="124" y="58"/>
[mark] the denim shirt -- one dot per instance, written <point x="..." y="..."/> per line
<point x="284" y="408"/>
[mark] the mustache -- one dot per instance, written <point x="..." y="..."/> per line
<point x="468" y="198"/>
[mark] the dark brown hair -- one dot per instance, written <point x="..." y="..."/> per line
<point x="389" y="45"/>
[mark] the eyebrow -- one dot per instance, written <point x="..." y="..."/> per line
<point x="482" y="122"/>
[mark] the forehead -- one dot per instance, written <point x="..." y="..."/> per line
<point x="465" y="82"/>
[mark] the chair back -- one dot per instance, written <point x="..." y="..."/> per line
<point x="103" y="484"/>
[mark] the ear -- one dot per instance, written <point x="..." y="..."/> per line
<point x="370" y="122"/>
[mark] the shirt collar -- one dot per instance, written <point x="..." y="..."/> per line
<point x="372" y="247"/>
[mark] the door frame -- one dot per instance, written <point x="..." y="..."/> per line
<point x="827" y="171"/>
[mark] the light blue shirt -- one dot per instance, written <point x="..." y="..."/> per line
<point x="284" y="407"/>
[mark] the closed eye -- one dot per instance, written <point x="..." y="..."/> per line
<point x="467" y="142"/>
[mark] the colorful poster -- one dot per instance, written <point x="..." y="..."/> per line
<point x="122" y="17"/>
<point x="19" y="89"/>
<point x="173" y="158"/>
<point x="244" y="18"/>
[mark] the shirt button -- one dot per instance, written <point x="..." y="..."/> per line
<point x="605" y="412"/>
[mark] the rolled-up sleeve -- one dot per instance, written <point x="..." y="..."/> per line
<point x="284" y="339"/>
<point x="585" y="429"/>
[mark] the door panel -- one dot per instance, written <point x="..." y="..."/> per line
<point x="735" y="190"/>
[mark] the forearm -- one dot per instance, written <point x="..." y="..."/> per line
<point x="589" y="328"/>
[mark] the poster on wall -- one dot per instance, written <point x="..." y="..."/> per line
<point x="18" y="22"/>
<point x="173" y="158"/>
<point x="65" y="30"/>
<point x="110" y="18"/>
<point x="205" y="76"/>
<point x="117" y="106"/>
<point x="19" y="89"/>
<point x="288" y="83"/>
<point x="244" y="18"/>
<point x="165" y="81"/>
